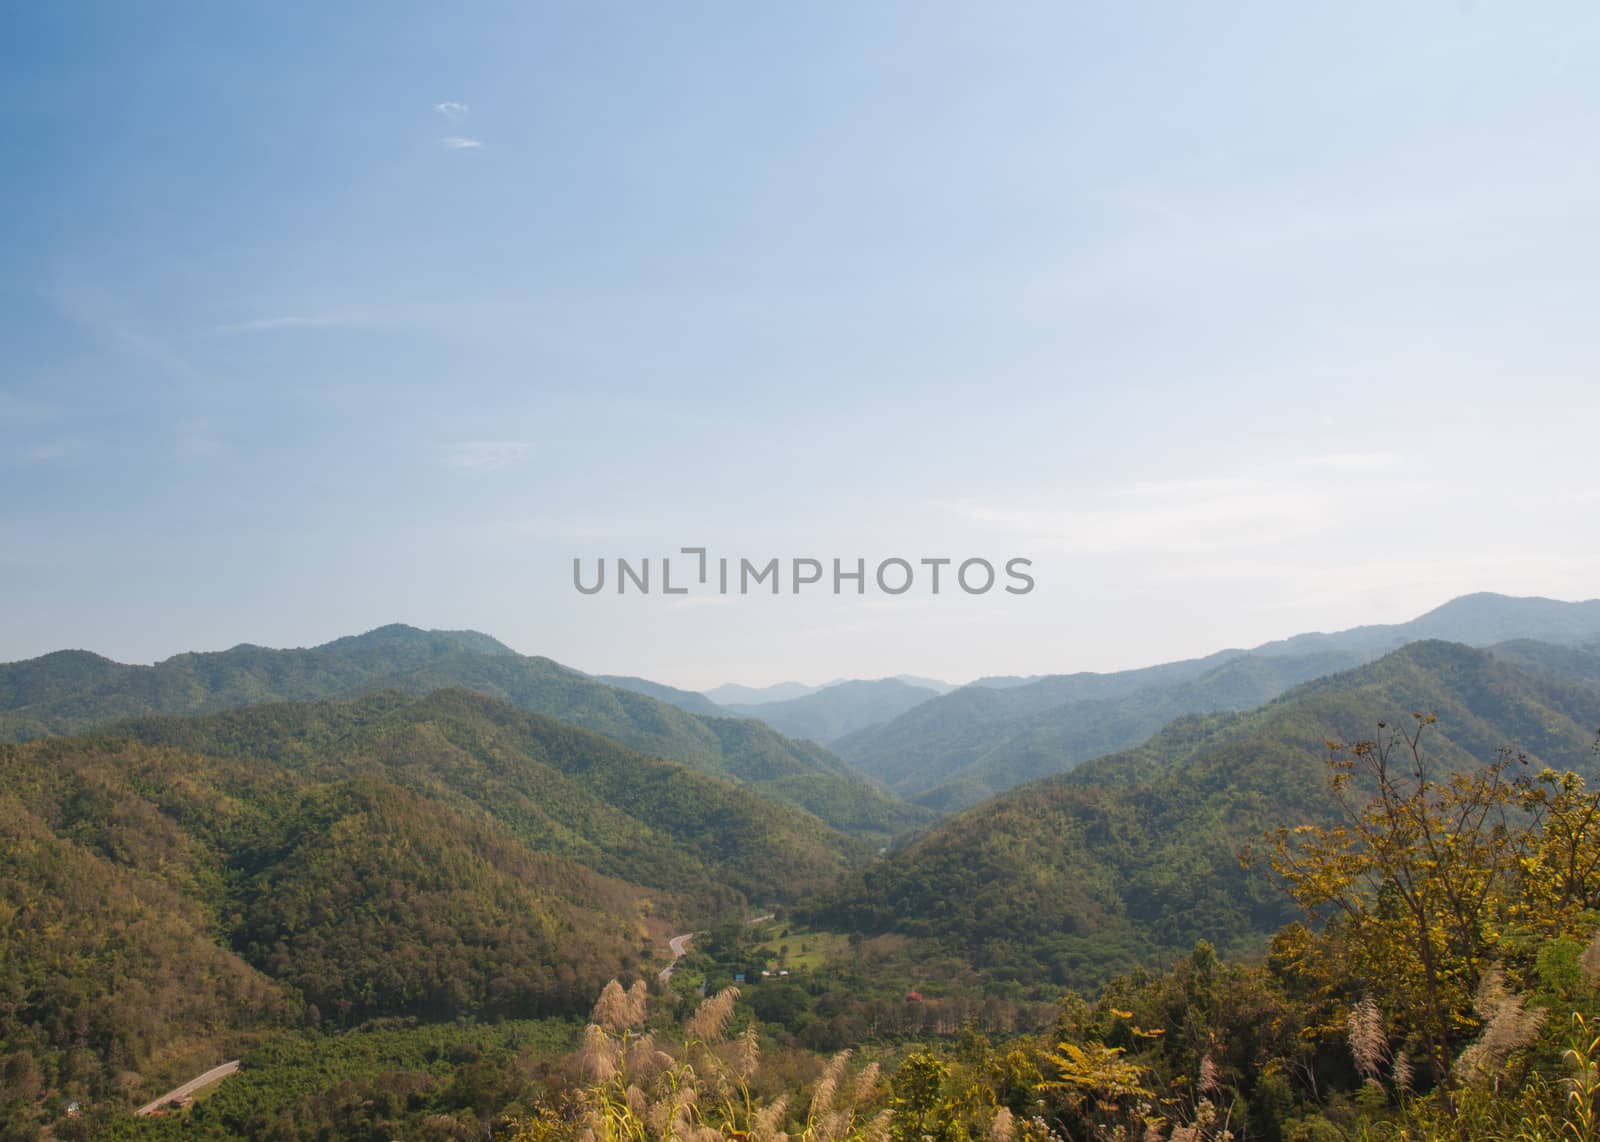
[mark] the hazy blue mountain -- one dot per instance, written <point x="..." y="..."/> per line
<point x="983" y="738"/>
<point x="838" y="709"/>
<point x="937" y="685"/>
<point x="1482" y="619"/>
<point x="733" y="694"/>
<point x="1006" y="681"/>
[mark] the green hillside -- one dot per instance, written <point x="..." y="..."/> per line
<point x="560" y="790"/>
<point x="1012" y="736"/>
<point x="158" y="909"/>
<point x="174" y="886"/>
<point x="1074" y="878"/>
<point x="71" y="691"/>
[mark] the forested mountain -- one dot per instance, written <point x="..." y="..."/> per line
<point x="691" y="700"/>
<point x="1008" y="745"/>
<point x="987" y="737"/>
<point x="838" y="709"/>
<point x="1075" y="877"/>
<point x="1573" y="662"/>
<point x="559" y="789"/>
<point x="170" y="884"/>
<point x="70" y="691"/>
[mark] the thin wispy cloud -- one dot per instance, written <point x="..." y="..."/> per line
<point x="455" y="111"/>
<point x="484" y="455"/>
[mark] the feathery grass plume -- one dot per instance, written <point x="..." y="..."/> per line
<point x="1590" y="961"/>
<point x="1004" y="1126"/>
<point x="1507" y="1027"/>
<point x="638" y="1102"/>
<point x="1367" y="1043"/>
<point x="710" y="1020"/>
<point x="1207" y="1083"/>
<point x="641" y="1056"/>
<point x="865" y="1085"/>
<point x="637" y="1092"/>
<point x="672" y="1115"/>
<point x="877" y="1127"/>
<point x="1152" y="1131"/>
<point x="600" y="1054"/>
<point x="1402" y="1073"/>
<point x="612" y="1010"/>
<point x="638" y="1003"/>
<point x="766" y="1124"/>
<point x="746" y="1055"/>
<point x="828" y="1087"/>
<point x="836" y="1104"/>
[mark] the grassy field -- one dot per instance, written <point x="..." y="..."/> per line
<point x="808" y="949"/>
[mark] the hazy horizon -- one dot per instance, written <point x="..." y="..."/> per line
<point x="776" y="679"/>
<point x="1237" y="323"/>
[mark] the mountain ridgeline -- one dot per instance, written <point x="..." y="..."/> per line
<point x="839" y="709"/>
<point x="71" y="691"/>
<point x="1135" y="856"/>
<point x="953" y="751"/>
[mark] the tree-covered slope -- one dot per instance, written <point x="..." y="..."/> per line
<point x="1075" y="877"/>
<point x="71" y="691"/>
<point x="1057" y="739"/>
<point x="158" y="907"/>
<point x="559" y="789"/>
<point x="690" y="700"/>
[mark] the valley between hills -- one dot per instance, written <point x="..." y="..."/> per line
<point x="393" y="874"/>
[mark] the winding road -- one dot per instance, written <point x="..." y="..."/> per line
<point x="679" y="945"/>
<point x="188" y="1088"/>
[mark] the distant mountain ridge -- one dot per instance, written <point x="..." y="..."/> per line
<point x="731" y="695"/>
<point x="838" y="709"/>
<point x="955" y="750"/>
<point x="72" y="691"/>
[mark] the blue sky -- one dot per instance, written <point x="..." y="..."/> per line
<point x="1238" y="319"/>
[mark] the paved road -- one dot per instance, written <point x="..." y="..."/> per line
<point x="189" y="1087"/>
<point x="679" y="945"/>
